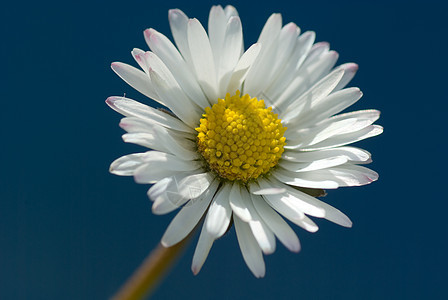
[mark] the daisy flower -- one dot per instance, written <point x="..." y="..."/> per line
<point x="246" y="137"/>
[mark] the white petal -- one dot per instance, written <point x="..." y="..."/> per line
<point x="312" y="166"/>
<point x="233" y="41"/>
<point x="319" y="91"/>
<point x="178" y="24"/>
<point x="262" y="233"/>
<point x="280" y="58"/>
<point x="271" y="29"/>
<point x="202" y="249"/>
<point x="302" y="47"/>
<point x="175" y="99"/>
<point x="286" y="42"/>
<point x="249" y="248"/>
<point x="126" y="165"/>
<point x="348" y="138"/>
<point x="347" y="175"/>
<point x="350" y="153"/>
<point x="334" y="126"/>
<point x="159" y="188"/>
<point x="137" y="54"/>
<point x="311" y="136"/>
<point x="331" y="214"/>
<point x="188" y="217"/>
<point x="160" y="165"/>
<point x="308" y="225"/>
<point x="202" y="58"/>
<point x="258" y="76"/>
<point x="180" y="147"/>
<point x="276" y="223"/>
<point x="171" y="57"/>
<point x="267" y="191"/>
<point x="295" y="201"/>
<point x="175" y="191"/>
<point x="242" y="68"/>
<point x="159" y="192"/>
<point x="159" y="138"/>
<point x="237" y="193"/>
<point x="284" y="208"/>
<point x="147" y="140"/>
<point x="219" y="213"/>
<point x="139" y="80"/>
<point x="194" y="185"/>
<point x="230" y="11"/>
<point x="316" y="52"/>
<point x="306" y="77"/>
<point x="217" y="22"/>
<point x="304" y="179"/>
<point x="290" y="211"/>
<point x="363" y="117"/>
<point x="139" y="125"/>
<point x="330" y="105"/>
<point x="131" y="108"/>
<point x="350" y="71"/>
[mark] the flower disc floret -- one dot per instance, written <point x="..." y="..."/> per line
<point x="240" y="138"/>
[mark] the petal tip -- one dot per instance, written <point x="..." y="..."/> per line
<point x="296" y="249"/>
<point x="216" y="8"/>
<point x="195" y="271"/>
<point x="195" y="267"/>
<point x="291" y="27"/>
<point x="353" y="67"/>
<point x="174" y="11"/>
<point x="155" y="208"/>
<point x="313" y="229"/>
<point x="322" y="44"/>
<point x="334" y="54"/>
<point x="234" y="19"/>
<point x="164" y="243"/>
<point x="115" y="65"/>
<point x="309" y="33"/>
<point x="123" y="124"/>
<point x="230" y="7"/>
<point x="147" y="33"/>
<point x="111" y="101"/>
<point x="378" y="129"/>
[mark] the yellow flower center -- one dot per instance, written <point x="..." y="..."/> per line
<point x="240" y="138"/>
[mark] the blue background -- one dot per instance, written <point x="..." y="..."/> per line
<point x="71" y="230"/>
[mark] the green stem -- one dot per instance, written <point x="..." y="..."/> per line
<point x="145" y="279"/>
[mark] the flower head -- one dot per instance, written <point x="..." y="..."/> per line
<point x="251" y="136"/>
